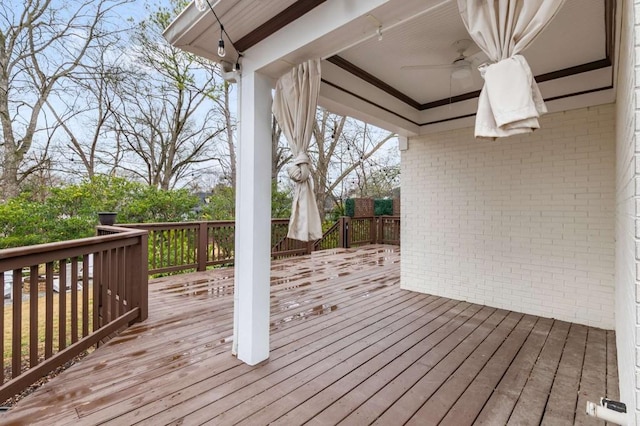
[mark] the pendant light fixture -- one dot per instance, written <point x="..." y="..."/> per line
<point x="221" y="51"/>
<point x="202" y="6"/>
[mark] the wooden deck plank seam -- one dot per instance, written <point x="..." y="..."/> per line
<point x="498" y="348"/>
<point x="507" y="322"/>
<point x="452" y="320"/>
<point x="249" y="370"/>
<point x="195" y="331"/>
<point x="481" y="363"/>
<point x="555" y="374"/>
<point x="507" y="369"/>
<point x="487" y="312"/>
<point x="581" y="370"/>
<point x="291" y="363"/>
<point x="424" y="368"/>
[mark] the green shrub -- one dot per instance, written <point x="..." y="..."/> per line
<point x="71" y="212"/>
<point x="382" y="207"/>
<point x="350" y="207"/>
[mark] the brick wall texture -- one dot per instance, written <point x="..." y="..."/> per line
<point x="627" y="208"/>
<point x="524" y="223"/>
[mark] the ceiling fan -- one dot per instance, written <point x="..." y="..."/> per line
<point x="461" y="67"/>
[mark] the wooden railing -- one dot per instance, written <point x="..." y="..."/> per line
<point x="176" y="246"/>
<point x="388" y="230"/>
<point x="371" y="230"/>
<point x="281" y="246"/>
<point x="332" y="238"/>
<point x="102" y="282"/>
<point x="102" y="288"/>
<point x="188" y="246"/>
<point x="361" y="231"/>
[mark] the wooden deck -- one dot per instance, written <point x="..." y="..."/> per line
<point x="348" y="346"/>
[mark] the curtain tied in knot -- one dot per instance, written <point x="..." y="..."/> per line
<point x="510" y="101"/>
<point x="300" y="170"/>
<point x="294" y="106"/>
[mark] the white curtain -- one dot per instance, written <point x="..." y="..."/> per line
<point x="510" y="101"/>
<point x="294" y="106"/>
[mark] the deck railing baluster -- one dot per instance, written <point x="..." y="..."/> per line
<point x="178" y="236"/>
<point x="86" y="270"/>
<point x="33" y="316"/>
<point x="202" y="245"/>
<point x="16" y="335"/>
<point x="62" y="304"/>
<point x="74" y="302"/>
<point x="120" y="283"/>
<point x="97" y="278"/>
<point x="2" y="328"/>
<point x="141" y="275"/>
<point x="181" y="250"/>
<point x="106" y="287"/>
<point x="48" y="322"/>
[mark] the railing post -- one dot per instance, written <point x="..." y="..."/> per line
<point x="344" y="231"/>
<point x="97" y="291"/>
<point x="341" y="232"/>
<point x="143" y="283"/>
<point x="347" y="233"/>
<point x="203" y="243"/>
<point x="380" y="230"/>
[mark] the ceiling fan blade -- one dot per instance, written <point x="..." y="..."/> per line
<point x="466" y="83"/>
<point x="428" y="67"/>
<point x="469" y="55"/>
<point x="478" y="58"/>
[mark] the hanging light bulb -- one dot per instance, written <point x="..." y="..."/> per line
<point x="221" y="51"/>
<point x="201" y="5"/>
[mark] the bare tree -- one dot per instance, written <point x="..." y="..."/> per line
<point x="227" y="158"/>
<point x="87" y="118"/>
<point x="42" y="43"/>
<point x="341" y="146"/>
<point x="167" y="120"/>
<point x="162" y="135"/>
<point x="280" y="152"/>
<point x="379" y="179"/>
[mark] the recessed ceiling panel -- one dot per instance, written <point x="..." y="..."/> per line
<point x="428" y="39"/>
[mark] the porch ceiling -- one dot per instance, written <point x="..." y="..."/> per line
<point x="364" y="76"/>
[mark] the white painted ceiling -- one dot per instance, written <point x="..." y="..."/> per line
<point x="414" y="32"/>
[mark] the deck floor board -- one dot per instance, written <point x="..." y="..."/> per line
<point x="499" y="406"/>
<point x="348" y="346"/>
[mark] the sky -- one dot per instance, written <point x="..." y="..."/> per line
<point x="135" y="10"/>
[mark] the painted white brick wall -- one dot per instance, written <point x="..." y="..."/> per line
<point x="627" y="208"/>
<point x="523" y="223"/>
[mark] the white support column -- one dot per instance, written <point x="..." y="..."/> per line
<point x="253" y="221"/>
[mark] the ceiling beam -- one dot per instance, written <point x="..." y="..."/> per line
<point x="282" y="19"/>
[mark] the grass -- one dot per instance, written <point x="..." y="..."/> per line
<point x="25" y="328"/>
